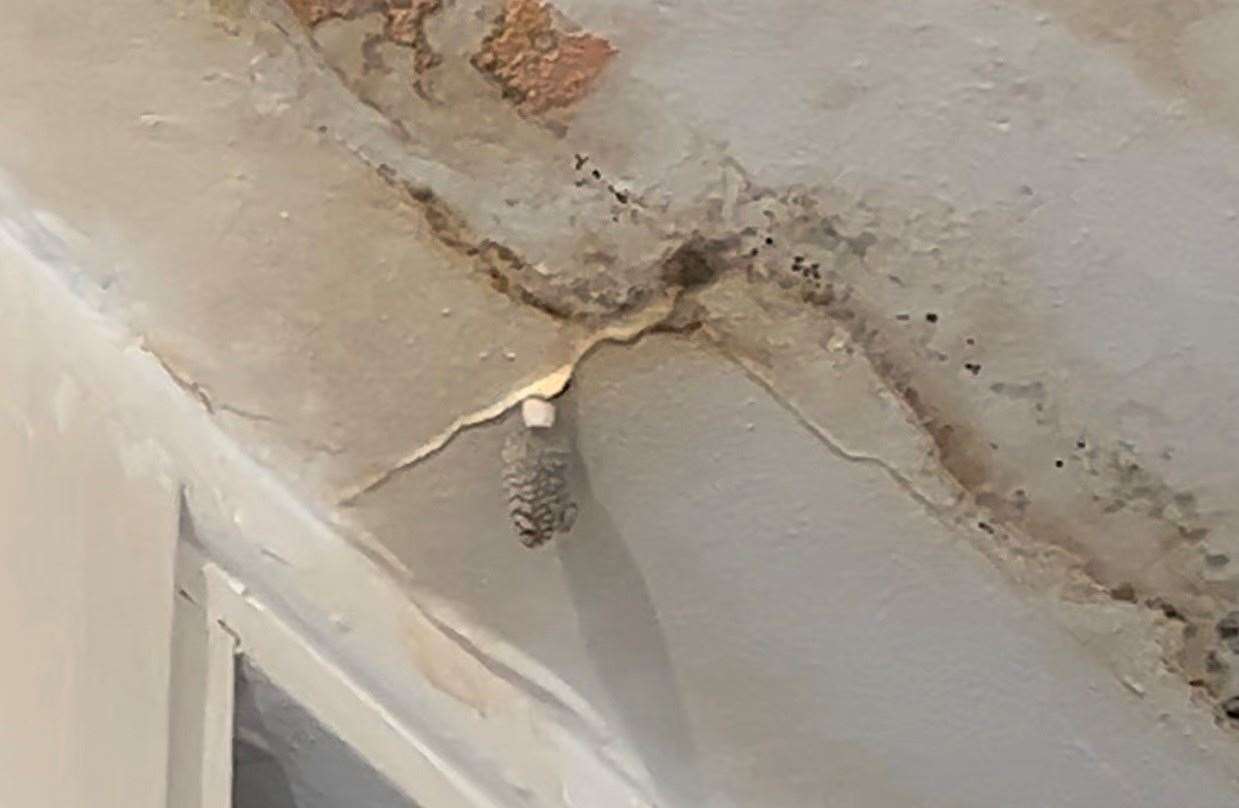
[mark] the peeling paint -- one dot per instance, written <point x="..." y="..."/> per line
<point x="404" y="24"/>
<point x="892" y="324"/>
<point x="850" y="263"/>
<point x="312" y="12"/>
<point x="539" y="66"/>
<point x="822" y="259"/>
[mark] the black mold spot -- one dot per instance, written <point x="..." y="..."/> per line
<point x="1231" y="708"/>
<point x="1216" y="560"/>
<point x="972" y="367"/>
<point x="596" y="174"/>
<point x="581" y="160"/>
<point x="692" y="265"/>
<point x="931" y="317"/>
<point x="1165" y="608"/>
<point x="861" y="244"/>
<point x="1228" y="631"/>
<point x="1058" y="464"/>
<point x="1194" y="534"/>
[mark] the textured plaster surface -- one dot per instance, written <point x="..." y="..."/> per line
<point x="1022" y="300"/>
<point x="908" y="673"/>
<point x="980" y="255"/>
<point x="275" y="256"/>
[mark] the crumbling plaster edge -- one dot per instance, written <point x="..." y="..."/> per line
<point x="1038" y="567"/>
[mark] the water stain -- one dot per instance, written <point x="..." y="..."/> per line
<point x="1100" y="517"/>
<point x="1185" y="48"/>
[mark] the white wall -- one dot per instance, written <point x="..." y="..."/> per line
<point x="88" y="527"/>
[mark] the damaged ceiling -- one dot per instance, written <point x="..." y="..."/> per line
<point x="979" y="254"/>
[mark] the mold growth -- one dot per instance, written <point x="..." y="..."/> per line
<point x="807" y="246"/>
<point x="595" y="299"/>
<point x="920" y="303"/>
<point x="850" y="265"/>
<point x="1111" y="523"/>
<point x="538" y="65"/>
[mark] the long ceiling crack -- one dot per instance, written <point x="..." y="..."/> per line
<point x="833" y="444"/>
<point x="547" y="386"/>
<point x="791" y="240"/>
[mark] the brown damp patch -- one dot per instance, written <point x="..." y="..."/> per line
<point x="1098" y="506"/>
<point x="595" y="300"/>
<point x="848" y="260"/>
<point x="230" y="9"/>
<point x="457" y="675"/>
<point x="539" y="66"/>
<point x="1158" y="38"/>
<point x="404" y="23"/>
<point x="312" y="12"/>
<point x="1151" y="26"/>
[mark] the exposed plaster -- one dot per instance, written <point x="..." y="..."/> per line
<point x="772" y="318"/>
<point x="834" y="257"/>
<point x="511" y="274"/>
<point x="404" y="24"/>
